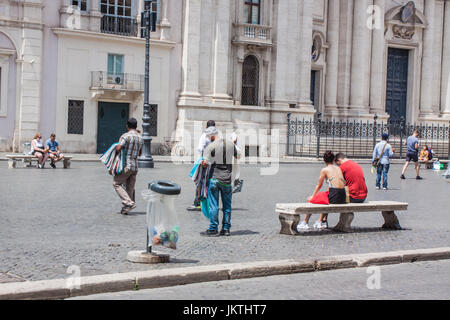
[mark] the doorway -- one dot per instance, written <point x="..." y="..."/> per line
<point x="397" y="84"/>
<point x="112" y="122"/>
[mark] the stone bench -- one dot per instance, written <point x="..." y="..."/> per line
<point x="289" y="214"/>
<point x="429" y="164"/>
<point x="13" y="158"/>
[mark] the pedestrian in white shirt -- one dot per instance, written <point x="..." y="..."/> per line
<point x="203" y="142"/>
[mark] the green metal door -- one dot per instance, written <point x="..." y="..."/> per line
<point x="112" y="122"/>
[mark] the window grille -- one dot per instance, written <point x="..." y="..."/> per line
<point x="250" y="80"/>
<point x="75" y="117"/>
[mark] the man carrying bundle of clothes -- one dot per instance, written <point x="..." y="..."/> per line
<point x="132" y="143"/>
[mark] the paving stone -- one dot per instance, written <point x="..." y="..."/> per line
<point x="55" y="218"/>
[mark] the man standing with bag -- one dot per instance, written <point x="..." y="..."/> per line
<point x="381" y="160"/>
<point x="219" y="154"/>
<point x="132" y="143"/>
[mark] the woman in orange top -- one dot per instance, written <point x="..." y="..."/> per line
<point x="424" y="156"/>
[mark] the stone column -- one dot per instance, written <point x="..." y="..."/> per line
<point x="360" y="72"/>
<point x="377" y="92"/>
<point x="345" y="54"/>
<point x="305" y="55"/>
<point x="445" y="85"/>
<point x="164" y="22"/>
<point x="191" y="52"/>
<point x="238" y="79"/>
<point x="426" y="99"/>
<point x="95" y="16"/>
<point x="221" y="49"/>
<point x="332" y="55"/>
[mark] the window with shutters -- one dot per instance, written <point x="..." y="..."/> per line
<point x="75" y="117"/>
<point x="250" y="81"/>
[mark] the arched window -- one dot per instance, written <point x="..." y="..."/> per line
<point x="250" y="81"/>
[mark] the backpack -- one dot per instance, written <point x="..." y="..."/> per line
<point x="430" y="154"/>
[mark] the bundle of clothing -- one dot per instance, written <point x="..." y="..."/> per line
<point x="113" y="160"/>
<point x="200" y="176"/>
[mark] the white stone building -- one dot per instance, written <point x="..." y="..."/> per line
<point x="244" y="63"/>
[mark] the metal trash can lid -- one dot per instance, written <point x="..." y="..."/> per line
<point x="165" y="187"/>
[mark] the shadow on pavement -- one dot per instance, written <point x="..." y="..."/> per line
<point x="243" y="233"/>
<point x="354" y="230"/>
<point x="175" y="260"/>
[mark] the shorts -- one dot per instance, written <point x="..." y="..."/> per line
<point x="337" y="196"/>
<point x="412" y="156"/>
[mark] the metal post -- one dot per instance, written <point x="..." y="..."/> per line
<point x="288" y="132"/>
<point x="146" y="160"/>
<point x="448" y="131"/>
<point x="319" y="121"/>
<point x="401" y="136"/>
<point x="375" y="130"/>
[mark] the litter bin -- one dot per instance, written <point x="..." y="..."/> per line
<point x="162" y="221"/>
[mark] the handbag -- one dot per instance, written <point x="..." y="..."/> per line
<point x="376" y="161"/>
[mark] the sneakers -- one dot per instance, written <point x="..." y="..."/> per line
<point x="377" y="187"/>
<point x="322" y="225"/>
<point x="225" y="233"/>
<point x="210" y="233"/>
<point x="385" y="188"/>
<point x="419" y="178"/>
<point x="303" y="226"/>
<point x="52" y="164"/>
<point x="127" y="209"/>
<point x="402" y="177"/>
<point x="194" y="208"/>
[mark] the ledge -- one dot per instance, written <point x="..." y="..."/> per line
<point x="112" y="37"/>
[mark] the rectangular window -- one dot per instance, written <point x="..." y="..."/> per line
<point x="115" y="68"/>
<point x="82" y="5"/>
<point x="75" y="117"/>
<point x="252" y="11"/>
<point x="117" y="8"/>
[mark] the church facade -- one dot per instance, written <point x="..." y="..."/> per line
<point x="75" y="67"/>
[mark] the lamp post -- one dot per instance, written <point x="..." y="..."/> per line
<point x="148" y="21"/>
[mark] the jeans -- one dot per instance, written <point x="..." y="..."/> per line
<point x="382" y="169"/>
<point x="214" y="190"/>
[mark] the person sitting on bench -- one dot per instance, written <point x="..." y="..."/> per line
<point x="38" y="150"/>
<point x="424" y="154"/>
<point x="54" y="152"/>
<point x="336" y="193"/>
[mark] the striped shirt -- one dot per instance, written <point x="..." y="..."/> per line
<point x="132" y="144"/>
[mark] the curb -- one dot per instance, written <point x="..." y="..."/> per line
<point x="58" y="289"/>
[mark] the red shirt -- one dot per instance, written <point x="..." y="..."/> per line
<point x="354" y="178"/>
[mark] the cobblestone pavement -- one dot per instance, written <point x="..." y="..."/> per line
<point x="424" y="280"/>
<point x="52" y="219"/>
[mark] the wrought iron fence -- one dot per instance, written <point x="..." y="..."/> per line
<point x="312" y="137"/>
<point x="123" y="26"/>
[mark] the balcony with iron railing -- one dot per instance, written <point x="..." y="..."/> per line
<point x="253" y="34"/>
<point x="101" y="80"/>
<point x="124" y="26"/>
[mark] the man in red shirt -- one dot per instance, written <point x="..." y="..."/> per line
<point x="354" y="178"/>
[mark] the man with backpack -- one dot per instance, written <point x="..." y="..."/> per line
<point x="381" y="160"/>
